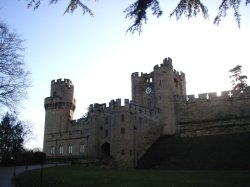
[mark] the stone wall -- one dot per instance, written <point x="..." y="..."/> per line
<point x="211" y="114"/>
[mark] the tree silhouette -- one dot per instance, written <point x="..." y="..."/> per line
<point x="138" y="10"/>
<point x="14" y="78"/>
<point x="238" y="81"/>
<point x="12" y="135"/>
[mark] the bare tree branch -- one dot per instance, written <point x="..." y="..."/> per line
<point x="14" y="78"/>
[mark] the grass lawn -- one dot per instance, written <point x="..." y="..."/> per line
<point x="78" y="176"/>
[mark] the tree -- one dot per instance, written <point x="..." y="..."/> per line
<point x="13" y="134"/>
<point x="238" y="81"/>
<point x="14" y="78"/>
<point x="138" y="10"/>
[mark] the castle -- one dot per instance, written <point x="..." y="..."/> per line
<point x="123" y="132"/>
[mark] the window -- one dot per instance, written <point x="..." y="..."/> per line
<point x="122" y="117"/>
<point x="81" y="148"/>
<point x="70" y="149"/>
<point x="149" y="80"/>
<point x="176" y="82"/>
<point x="123" y="152"/>
<point x="106" y="120"/>
<point x="149" y="103"/>
<point x="60" y="149"/>
<point x="122" y="130"/>
<point x="52" y="150"/>
<point x="106" y="132"/>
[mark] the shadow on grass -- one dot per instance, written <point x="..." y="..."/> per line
<point x="78" y="176"/>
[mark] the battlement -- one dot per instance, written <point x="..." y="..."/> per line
<point x="225" y="95"/>
<point x="167" y="62"/>
<point x="179" y="74"/>
<point x="80" y="121"/>
<point x="128" y="106"/>
<point x="62" y="82"/>
<point x="112" y="104"/>
<point x="141" y="75"/>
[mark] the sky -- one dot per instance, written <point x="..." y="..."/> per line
<point x="98" y="56"/>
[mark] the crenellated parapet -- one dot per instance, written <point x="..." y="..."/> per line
<point x="128" y="106"/>
<point x="67" y="82"/>
<point x="113" y="105"/>
<point x="80" y="121"/>
<point x="213" y="96"/>
<point x="167" y="64"/>
<point x="142" y="75"/>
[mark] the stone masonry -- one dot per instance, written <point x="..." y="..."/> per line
<point x="121" y="133"/>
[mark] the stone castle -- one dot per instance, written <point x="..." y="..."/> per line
<point x="122" y="133"/>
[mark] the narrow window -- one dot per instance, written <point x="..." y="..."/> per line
<point x="122" y="117"/>
<point x="106" y="120"/>
<point x="70" y="149"/>
<point x="149" y="103"/>
<point x="52" y="150"/>
<point x="106" y="132"/>
<point x="176" y="82"/>
<point x="130" y="152"/>
<point x="122" y="130"/>
<point x="60" y="149"/>
<point x="82" y="148"/>
<point x="123" y="152"/>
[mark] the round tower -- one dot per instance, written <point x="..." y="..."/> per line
<point x="59" y="107"/>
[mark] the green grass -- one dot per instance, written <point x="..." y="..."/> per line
<point x="77" y="176"/>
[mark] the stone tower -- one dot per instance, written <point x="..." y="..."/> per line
<point x="59" y="107"/>
<point x="158" y="89"/>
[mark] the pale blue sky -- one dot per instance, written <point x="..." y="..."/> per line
<point x="99" y="57"/>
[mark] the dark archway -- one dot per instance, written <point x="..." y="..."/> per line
<point x="105" y="149"/>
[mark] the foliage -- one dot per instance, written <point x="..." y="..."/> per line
<point x="75" y="176"/>
<point x="238" y="81"/>
<point x="29" y="157"/>
<point x="138" y="10"/>
<point x="12" y="134"/>
<point x="14" y="78"/>
<point x="73" y="4"/>
<point x="39" y="157"/>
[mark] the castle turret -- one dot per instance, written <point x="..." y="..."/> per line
<point x="158" y="90"/>
<point x="168" y="84"/>
<point x="59" y="107"/>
